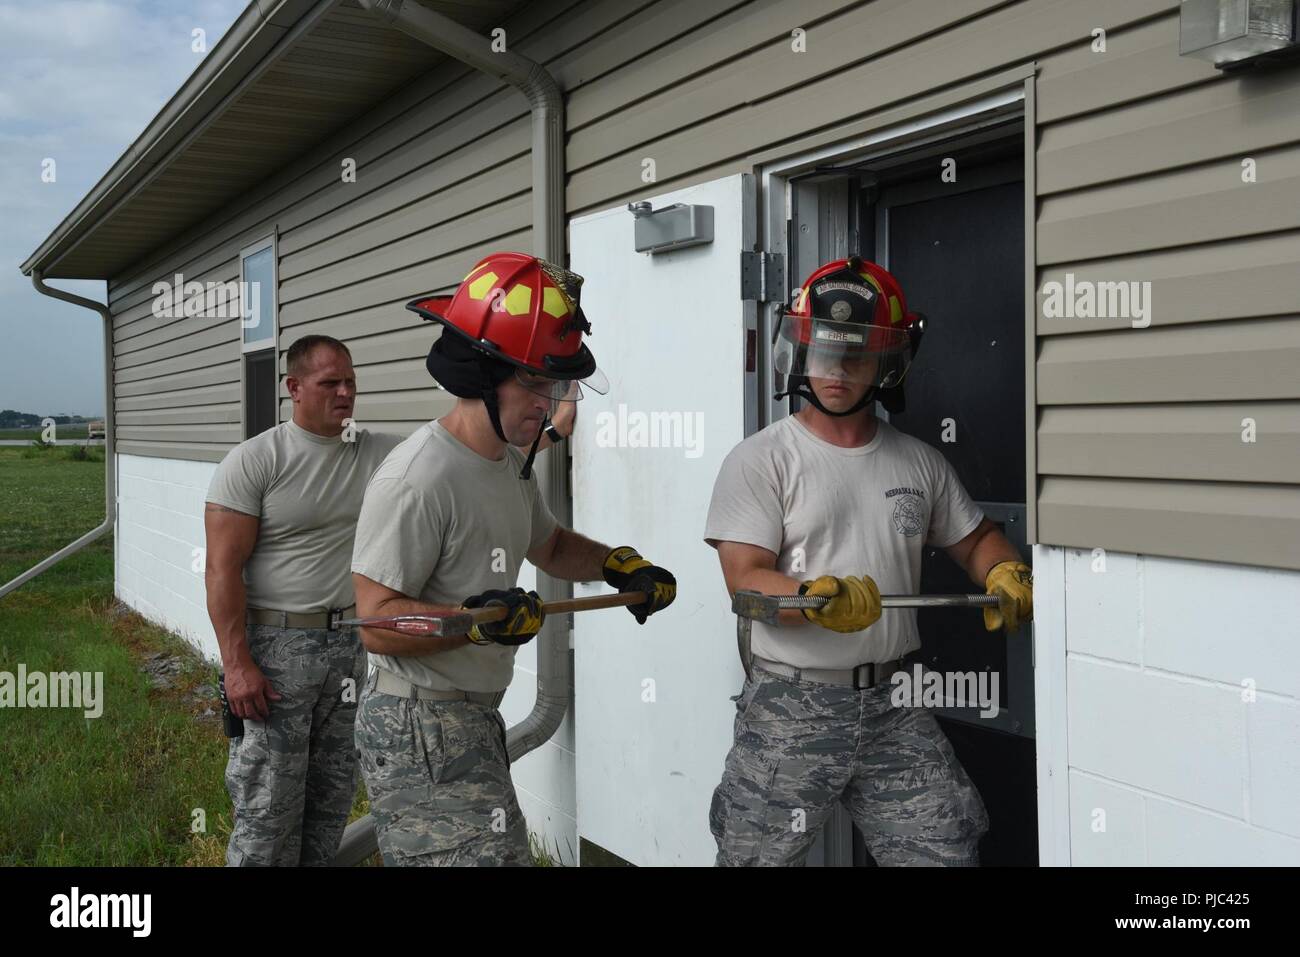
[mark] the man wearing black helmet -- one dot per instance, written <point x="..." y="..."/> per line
<point x="453" y="512"/>
<point x="832" y="502"/>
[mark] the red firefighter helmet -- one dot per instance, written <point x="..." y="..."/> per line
<point x="521" y="310"/>
<point x="849" y="320"/>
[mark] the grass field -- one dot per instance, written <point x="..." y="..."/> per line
<point x="122" y="788"/>
<point x="119" y="789"/>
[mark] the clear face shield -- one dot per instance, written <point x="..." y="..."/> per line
<point x="850" y="352"/>
<point x="562" y="390"/>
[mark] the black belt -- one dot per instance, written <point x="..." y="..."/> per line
<point x="295" y="619"/>
<point x="858" y="678"/>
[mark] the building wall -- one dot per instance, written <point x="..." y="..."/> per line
<point x="1139" y="431"/>
<point x="1140" y="439"/>
<point x="159" y="540"/>
<point x="1181" y="710"/>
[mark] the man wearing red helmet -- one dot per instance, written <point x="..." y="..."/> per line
<point x="832" y="502"/>
<point x="453" y="512"/>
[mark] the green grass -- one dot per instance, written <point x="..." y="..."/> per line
<point x="46" y="501"/>
<point x="115" y="790"/>
<point x="119" y="789"/>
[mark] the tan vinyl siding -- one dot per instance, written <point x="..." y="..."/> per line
<point x="1137" y="175"/>
<point x="1139" y="178"/>
<point x="1245" y="359"/>
<point x="1176" y="441"/>
<point x="1213" y="521"/>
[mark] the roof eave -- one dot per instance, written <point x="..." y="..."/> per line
<point x="242" y="49"/>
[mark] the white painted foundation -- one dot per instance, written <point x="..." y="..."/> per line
<point x="159" y="540"/>
<point x="1170" y="726"/>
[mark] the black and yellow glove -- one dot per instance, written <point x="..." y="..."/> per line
<point x="523" y="620"/>
<point x="1013" y="583"/>
<point x="854" y="602"/>
<point x="627" y="571"/>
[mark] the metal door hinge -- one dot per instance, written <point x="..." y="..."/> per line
<point x="762" y="276"/>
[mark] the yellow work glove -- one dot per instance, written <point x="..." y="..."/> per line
<point x="1013" y="583"/>
<point x="524" y="616"/>
<point x="626" y="570"/>
<point x="854" y="603"/>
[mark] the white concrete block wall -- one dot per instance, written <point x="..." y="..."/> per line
<point x="159" y="526"/>
<point x="1182" y="710"/>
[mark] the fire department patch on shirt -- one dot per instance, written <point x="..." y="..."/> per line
<point x="909" y="510"/>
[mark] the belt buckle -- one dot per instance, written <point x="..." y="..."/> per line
<point x="332" y="619"/>
<point x="871" y="677"/>
<point x="284" y="619"/>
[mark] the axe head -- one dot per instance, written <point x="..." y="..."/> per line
<point x="755" y="606"/>
<point x="420" y="625"/>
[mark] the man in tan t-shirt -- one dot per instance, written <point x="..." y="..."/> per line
<point x="447" y="521"/>
<point x="280" y="518"/>
<point x="832" y="502"/>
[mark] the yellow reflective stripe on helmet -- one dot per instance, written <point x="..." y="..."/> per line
<point x="482" y="265"/>
<point x="518" y="299"/>
<point x="875" y="283"/>
<point x="481" y="286"/>
<point x="895" y="310"/>
<point x="554" y="302"/>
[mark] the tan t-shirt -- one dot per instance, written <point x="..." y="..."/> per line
<point x="826" y="510"/>
<point x="306" y="489"/>
<point x="441" y="523"/>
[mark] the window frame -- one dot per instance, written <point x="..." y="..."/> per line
<point x="272" y="341"/>
<point x="271" y="344"/>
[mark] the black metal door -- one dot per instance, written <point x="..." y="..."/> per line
<point x="958" y="251"/>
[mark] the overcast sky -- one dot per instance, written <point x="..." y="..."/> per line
<point x="79" y="81"/>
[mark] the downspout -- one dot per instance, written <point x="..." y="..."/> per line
<point x="110" y="504"/>
<point x="554" y="668"/>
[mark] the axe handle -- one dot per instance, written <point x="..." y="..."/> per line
<point x="892" y="601"/>
<point x="459" y="622"/>
<point x="562" y="605"/>
<point x="594" y="602"/>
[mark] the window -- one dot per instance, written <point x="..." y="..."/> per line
<point x="257" y="299"/>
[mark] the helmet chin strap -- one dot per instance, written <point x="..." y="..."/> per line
<point x="800" y="386"/>
<point x="490" y="400"/>
<point x="489" y="393"/>
<point x="532" y="453"/>
<point x="494" y="413"/>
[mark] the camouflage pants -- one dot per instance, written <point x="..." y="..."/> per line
<point x="801" y="746"/>
<point x="438" y="777"/>
<point x="293" y="777"/>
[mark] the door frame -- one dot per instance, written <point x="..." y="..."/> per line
<point x="965" y="115"/>
<point x="777" y="181"/>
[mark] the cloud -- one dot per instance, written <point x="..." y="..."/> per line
<point x="81" y="80"/>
